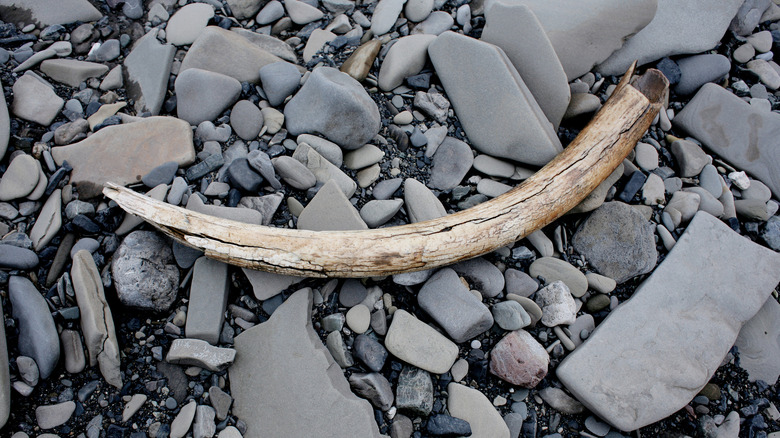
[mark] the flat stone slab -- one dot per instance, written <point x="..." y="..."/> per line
<point x="41" y="12"/>
<point x="282" y="370"/>
<point x="208" y="300"/>
<point x="124" y="153"/>
<point x="692" y="26"/>
<point x="419" y="344"/>
<point x="743" y="134"/>
<point x="710" y="284"/>
<point x="498" y="112"/>
<point x="758" y="344"/>
<point x="229" y="53"/>
<point x="147" y="70"/>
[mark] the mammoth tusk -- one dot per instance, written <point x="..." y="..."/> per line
<point x="550" y="193"/>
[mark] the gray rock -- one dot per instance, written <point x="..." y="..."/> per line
<point x="5" y="378"/>
<point x="220" y="401"/>
<point x="618" y="241"/>
<point x="162" y="174"/>
<point x="294" y="173"/>
<point x="436" y="106"/>
<point x="272" y="45"/>
<point x="133" y="406"/>
<point x="131" y="221"/>
<point x="406" y="57"/>
<point x="243" y="9"/>
<point x="596" y="198"/>
<point x="510" y="315"/>
<point x="514" y="28"/>
<point x="376" y="212"/>
<point x="693" y="27"/>
<point x="261" y="162"/>
<point x="329" y="150"/>
<point x="451" y="162"/>
<point x="72" y="72"/>
<point x="37" y="334"/>
<point x="97" y="324"/>
<point x="482" y="276"/>
<point x="421" y="203"/>
<point x="414" y="392"/>
<point x="418" y="344"/>
<point x="14" y="257"/>
<point x="709" y="203"/>
<point x="228" y="53"/>
<point x="203" y="426"/>
<point x="271" y="12"/>
<point x="385" y="14"/>
<point x="447" y="300"/>
<point x="437" y="23"/>
<point x="519" y="283"/>
<point x="267" y="285"/>
<point x="412" y="278"/>
<point x="759" y="343"/>
<point x="471" y="405"/>
<point x="187" y="23"/>
<point x="200" y="353"/>
<point x="557" y="304"/>
<point x="144" y="272"/>
<point x="370" y="352"/>
<point x="330" y="210"/>
<point x="710" y="180"/>
<point x="402" y="427"/>
<point x="51" y="416"/>
<point x="374" y="387"/>
<point x="363" y="157"/>
<point x="181" y="424"/>
<point x="5" y="125"/>
<point x="208" y="300"/>
<point x="735" y="130"/>
<point x="35" y="100"/>
<point x="771" y="233"/>
<point x="242" y="176"/>
<point x="282" y="369"/>
<point x="147" y="70"/>
<point x="748" y="16"/>
<point x="335" y="105"/>
<point x="279" y="80"/>
<point x="42" y="14"/>
<point x="73" y="350"/>
<point x="560" y="401"/>
<point x="338" y="349"/>
<point x="85" y="243"/>
<point x="323" y="169"/>
<point x="700" y="69"/>
<point x="48" y="222"/>
<point x="493" y="125"/>
<point x="203" y="95"/>
<point x="552" y="269"/>
<point x="418" y="10"/>
<point x="701" y="287"/>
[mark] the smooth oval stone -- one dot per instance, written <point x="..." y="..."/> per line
<point x="14" y="257"/>
<point x="552" y="269"/>
<point x="20" y="178"/>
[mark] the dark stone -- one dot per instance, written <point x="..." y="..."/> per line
<point x="177" y="380"/>
<point x="109" y="121"/>
<point x="162" y="174"/>
<point x="370" y="352"/>
<point x="670" y="69"/>
<point x="352" y="293"/>
<point x="14" y="257"/>
<point x="633" y="185"/>
<point x="444" y="425"/>
<point x="84" y="224"/>
<point x="421" y="81"/>
<point x="210" y="164"/>
<point x="771" y="233"/>
<point x="414" y="392"/>
<point x="243" y="177"/>
<point x="374" y="387"/>
<point x="57" y="177"/>
<point x="400" y="137"/>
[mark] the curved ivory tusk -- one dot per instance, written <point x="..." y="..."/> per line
<point x="539" y="200"/>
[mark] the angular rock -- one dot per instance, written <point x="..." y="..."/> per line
<point x="243" y="9"/>
<point x="267" y="285"/>
<point x="370" y="352"/>
<point x="418" y="344"/>
<point x="144" y="272"/>
<point x="202" y="95"/>
<point x="451" y="162"/>
<point x="147" y="70"/>
<point x="560" y="401"/>
<point x="97" y="324"/>
<point x="758" y="343"/>
<point x="282" y="369"/>
<point x="447" y="300"/>
<point x="330" y="210"/>
<point x="618" y="241"/>
<point x="228" y="53"/>
<point x="187" y="23"/>
<point x="414" y="392"/>
<point x="37" y="334"/>
<point x="557" y="304"/>
<point x="208" y="300"/>
<point x="421" y="203"/>
<point x="49" y="221"/>
<point x="323" y="169"/>
<point x="360" y="61"/>
<point x="124" y="153"/>
<point x="376" y="212"/>
<point x="374" y="387"/>
<point x="42" y="14"/>
<point x="335" y="105"/>
<point x="519" y="359"/>
<point x="736" y="131"/>
<point x="406" y="57"/>
<point x="471" y="405"/>
<point x="72" y="72"/>
<point x="510" y="315"/>
<point x="35" y="100"/>
<point x="701" y="288"/>
<point x="515" y="29"/>
<point x="677" y="28"/>
<point x="200" y="353"/>
<point x="502" y="120"/>
<point x="279" y="80"/>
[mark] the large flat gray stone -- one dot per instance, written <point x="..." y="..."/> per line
<point x="758" y="343"/>
<point x="147" y="69"/>
<point x="636" y="368"/>
<point x="515" y="29"/>
<point x="43" y="13"/>
<point x="330" y="210"/>
<point x="692" y="26"/>
<point x="743" y="134"/>
<point x="586" y="33"/>
<point x="284" y="381"/>
<point x="208" y="300"/>
<point x="497" y="111"/>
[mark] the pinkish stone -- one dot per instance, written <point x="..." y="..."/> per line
<point x="519" y="359"/>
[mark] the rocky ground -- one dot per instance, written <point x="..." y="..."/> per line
<point x="650" y="310"/>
